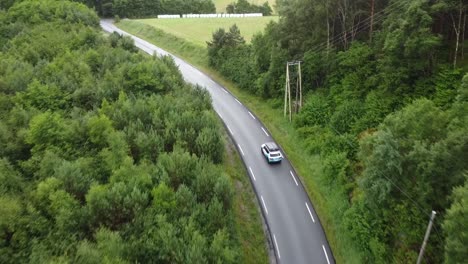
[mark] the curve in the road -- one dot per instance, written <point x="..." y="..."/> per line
<point x="295" y="229"/>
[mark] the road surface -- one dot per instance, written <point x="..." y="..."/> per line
<point x="296" y="233"/>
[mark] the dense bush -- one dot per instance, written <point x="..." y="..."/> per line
<point x="105" y="155"/>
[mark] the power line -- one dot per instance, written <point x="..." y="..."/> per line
<point x="378" y="17"/>
<point x="417" y="205"/>
<point x="361" y="26"/>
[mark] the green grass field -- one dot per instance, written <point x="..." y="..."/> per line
<point x="221" y="4"/>
<point x="200" y="30"/>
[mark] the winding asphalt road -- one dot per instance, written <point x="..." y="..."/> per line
<point x="295" y="229"/>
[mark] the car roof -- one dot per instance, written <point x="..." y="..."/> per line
<point x="271" y="146"/>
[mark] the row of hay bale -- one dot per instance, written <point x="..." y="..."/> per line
<point x="211" y="15"/>
<point x="168" y="16"/>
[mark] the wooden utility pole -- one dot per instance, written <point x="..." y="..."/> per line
<point x="371" y="20"/>
<point x="463" y="38"/>
<point x="287" y="93"/>
<point x="343" y="10"/>
<point x="426" y="237"/>
<point x="298" y="90"/>
<point x="457" y="28"/>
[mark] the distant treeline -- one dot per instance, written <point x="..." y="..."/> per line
<point x="150" y="8"/>
<point x="244" y="7"/>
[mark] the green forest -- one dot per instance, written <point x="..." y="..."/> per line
<point x="140" y="8"/>
<point x="106" y="155"/>
<point x="149" y="8"/>
<point x="385" y="89"/>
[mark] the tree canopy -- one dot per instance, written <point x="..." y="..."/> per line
<point x="385" y="108"/>
<point x="106" y="155"/>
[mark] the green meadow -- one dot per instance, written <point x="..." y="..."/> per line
<point x="200" y="30"/>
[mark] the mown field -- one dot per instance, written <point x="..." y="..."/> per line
<point x="221" y="4"/>
<point x="200" y="30"/>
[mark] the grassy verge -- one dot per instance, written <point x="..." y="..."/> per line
<point x="248" y="223"/>
<point x="175" y="45"/>
<point x="308" y="167"/>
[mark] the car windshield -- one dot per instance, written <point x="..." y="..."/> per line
<point x="275" y="154"/>
<point x="271" y="146"/>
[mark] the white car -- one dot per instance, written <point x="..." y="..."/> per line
<point x="271" y="152"/>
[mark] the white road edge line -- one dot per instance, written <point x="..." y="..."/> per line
<point x="324" y="251"/>
<point x="241" y="150"/>
<point x="230" y="130"/>
<point x="238" y="102"/>
<point x="294" y="178"/>
<point x="252" y="115"/>
<point x="277" y="248"/>
<point x="220" y="116"/>
<point x="311" y="216"/>
<point x="225" y="90"/>
<point x="213" y="81"/>
<point x="264" y="131"/>
<point x="251" y="172"/>
<point x="264" y="205"/>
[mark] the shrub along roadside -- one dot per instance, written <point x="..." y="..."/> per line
<point x="247" y="214"/>
<point x="307" y="165"/>
<point x="192" y="53"/>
